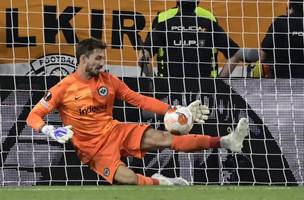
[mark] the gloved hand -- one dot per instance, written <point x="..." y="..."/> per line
<point x="199" y="112"/>
<point x="61" y="134"/>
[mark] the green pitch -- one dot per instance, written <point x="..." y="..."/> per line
<point x="151" y="192"/>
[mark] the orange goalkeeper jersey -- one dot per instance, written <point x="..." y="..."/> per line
<point x="87" y="105"/>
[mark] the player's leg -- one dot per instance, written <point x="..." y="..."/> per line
<point x="124" y="140"/>
<point x="154" y="139"/>
<point x="106" y="162"/>
<point x="125" y="175"/>
<point x="131" y="146"/>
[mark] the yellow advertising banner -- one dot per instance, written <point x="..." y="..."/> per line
<point x="31" y="29"/>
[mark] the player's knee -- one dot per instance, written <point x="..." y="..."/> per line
<point x="156" y="139"/>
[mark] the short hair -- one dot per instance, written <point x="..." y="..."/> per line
<point x="296" y="6"/>
<point x="87" y="46"/>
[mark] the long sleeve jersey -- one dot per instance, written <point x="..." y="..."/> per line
<point x="87" y="105"/>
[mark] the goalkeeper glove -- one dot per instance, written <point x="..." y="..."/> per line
<point x="61" y="134"/>
<point x="199" y="112"/>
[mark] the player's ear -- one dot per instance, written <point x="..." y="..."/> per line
<point x="82" y="59"/>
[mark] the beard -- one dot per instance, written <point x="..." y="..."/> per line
<point x="92" y="71"/>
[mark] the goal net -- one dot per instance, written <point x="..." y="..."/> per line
<point x="38" y="46"/>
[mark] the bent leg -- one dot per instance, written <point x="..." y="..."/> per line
<point x="125" y="175"/>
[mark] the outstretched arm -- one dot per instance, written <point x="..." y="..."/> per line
<point x="145" y="102"/>
<point x="138" y="100"/>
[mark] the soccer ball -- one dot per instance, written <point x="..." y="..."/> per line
<point x="178" y="120"/>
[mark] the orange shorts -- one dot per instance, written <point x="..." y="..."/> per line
<point x="124" y="140"/>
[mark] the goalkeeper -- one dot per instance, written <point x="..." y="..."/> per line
<point x="85" y="101"/>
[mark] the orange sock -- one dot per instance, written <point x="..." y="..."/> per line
<point x="192" y="142"/>
<point x="143" y="180"/>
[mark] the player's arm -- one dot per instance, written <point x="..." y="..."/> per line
<point x="123" y="92"/>
<point x="40" y="110"/>
<point x="199" y="112"/>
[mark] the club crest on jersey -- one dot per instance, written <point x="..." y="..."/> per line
<point x="106" y="171"/>
<point x="103" y="91"/>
